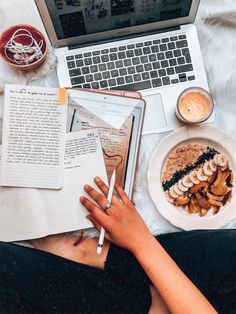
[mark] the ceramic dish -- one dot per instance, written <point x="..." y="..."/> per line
<point x="204" y="135"/>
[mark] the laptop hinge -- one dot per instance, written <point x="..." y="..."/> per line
<point x="163" y="30"/>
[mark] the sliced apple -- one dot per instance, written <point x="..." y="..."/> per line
<point x="215" y="209"/>
<point x="218" y="178"/>
<point x="199" y="186"/>
<point x="181" y="201"/>
<point x="214" y="197"/>
<point x="214" y="202"/>
<point x="202" y="202"/>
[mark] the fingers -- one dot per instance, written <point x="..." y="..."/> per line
<point x="103" y="187"/>
<point x="124" y="197"/>
<point x="99" y="198"/>
<point x="94" y="222"/>
<point x="95" y="212"/>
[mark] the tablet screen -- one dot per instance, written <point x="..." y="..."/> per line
<point x="120" y="146"/>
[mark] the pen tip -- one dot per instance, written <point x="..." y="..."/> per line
<point x="99" y="250"/>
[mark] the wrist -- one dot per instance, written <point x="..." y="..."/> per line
<point x="143" y="246"/>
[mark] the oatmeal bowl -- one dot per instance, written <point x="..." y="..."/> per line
<point x="191" y="178"/>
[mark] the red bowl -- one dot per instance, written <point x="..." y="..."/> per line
<point x="24" y="40"/>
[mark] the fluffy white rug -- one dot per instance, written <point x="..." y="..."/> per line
<point x="216" y="24"/>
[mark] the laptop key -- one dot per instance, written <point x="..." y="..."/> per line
<point x="123" y="72"/>
<point x="135" y="61"/>
<point x="93" y="68"/>
<point x="120" y="81"/>
<point x="138" y="45"/>
<point x="182" y="36"/>
<point x="169" y="54"/>
<point x="139" y="68"/>
<point x="96" y="53"/>
<point x="85" y="70"/>
<point x="165" y="40"/>
<point x="156" y="41"/>
<point x="89" y="78"/>
<point x="131" y="46"/>
<point x="147" y="43"/>
<point x="114" y="73"/>
<point x="121" y="55"/>
<point x="74" y="72"/>
<point x="152" y="58"/>
<point x="181" y="60"/>
<point x="112" y="82"/>
<point x="105" y="58"/>
<point x="88" y="61"/>
<point x="188" y="59"/>
<point x="95" y="85"/>
<point x="160" y="56"/>
<point x="114" y="49"/>
<point x="162" y="72"/>
<point x="164" y="64"/>
<point x="177" y="53"/>
<point x="119" y="64"/>
<point x="173" y="38"/>
<point x="122" y="48"/>
<point x="174" y="81"/>
<point x="156" y="65"/>
<point x="77" y="86"/>
<point x="146" y="50"/>
<point x="77" y="80"/>
<point x="96" y="59"/>
<point x="156" y="82"/>
<point x="145" y="76"/>
<point x="103" y="84"/>
<point x="113" y="56"/>
<point x="97" y="76"/>
<point x="153" y="74"/>
<point x="87" y="85"/>
<point x="137" y="78"/>
<point x="166" y="80"/>
<point x="104" y="51"/>
<point x="191" y="78"/>
<point x="79" y="63"/>
<point x="182" y="77"/>
<point x="138" y="52"/>
<point x="69" y="58"/>
<point x="131" y="70"/>
<point x="111" y="65"/>
<point x="79" y="56"/>
<point x="181" y="43"/>
<point x="170" y="71"/>
<point x="144" y="59"/>
<point x="102" y="67"/>
<point x="135" y="86"/>
<point x="163" y="47"/>
<point x="173" y="62"/>
<point x="106" y="75"/>
<point x="171" y="46"/>
<point x="128" y="79"/>
<point x="129" y="53"/>
<point x="71" y="64"/>
<point x="155" y="49"/>
<point x="127" y="62"/>
<point x="148" y="67"/>
<point x="87" y="54"/>
<point x="183" y="68"/>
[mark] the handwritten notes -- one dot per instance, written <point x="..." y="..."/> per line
<point x="34" y="127"/>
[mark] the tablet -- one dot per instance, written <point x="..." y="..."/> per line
<point x="119" y="120"/>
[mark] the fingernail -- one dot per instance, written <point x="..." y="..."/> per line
<point x="86" y="186"/>
<point x="81" y="198"/>
<point x="97" y="179"/>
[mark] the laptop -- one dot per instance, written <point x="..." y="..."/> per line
<point x="149" y="46"/>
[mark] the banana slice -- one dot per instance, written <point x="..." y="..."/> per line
<point x="212" y="165"/>
<point x="169" y="198"/>
<point x="181" y="186"/>
<point x="172" y="193"/>
<point x="206" y="169"/>
<point x="201" y="175"/>
<point x="216" y="159"/>
<point x="193" y="177"/>
<point x="222" y="160"/>
<point x="187" y="182"/>
<point x="177" y="190"/>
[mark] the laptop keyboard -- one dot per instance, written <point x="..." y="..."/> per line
<point x="138" y="66"/>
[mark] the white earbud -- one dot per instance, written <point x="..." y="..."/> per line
<point x="23" y="54"/>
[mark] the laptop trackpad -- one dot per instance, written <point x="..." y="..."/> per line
<point x="154" y="114"/>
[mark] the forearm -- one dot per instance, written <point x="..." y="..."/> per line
<point x="178" y="292"/>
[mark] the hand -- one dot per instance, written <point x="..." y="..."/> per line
<point x="122" y="223"/>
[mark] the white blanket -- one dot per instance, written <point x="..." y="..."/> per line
<point x="216" y="24"/>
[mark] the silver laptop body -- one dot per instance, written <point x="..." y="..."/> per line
<point x="145" y="45"/>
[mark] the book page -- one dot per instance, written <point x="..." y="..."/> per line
<point x="34" y="126"/>
<point x="115" y="142"/>
<point x="83" y="161"/>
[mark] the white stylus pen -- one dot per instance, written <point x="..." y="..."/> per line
<point x="109" y="198"/>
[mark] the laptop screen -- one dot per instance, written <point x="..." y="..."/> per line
<point x="73" y="18"/>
